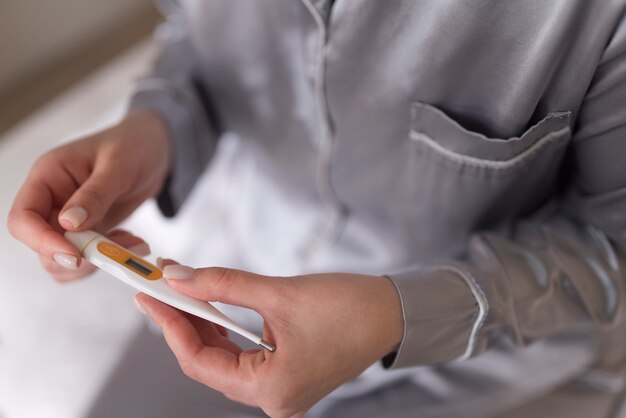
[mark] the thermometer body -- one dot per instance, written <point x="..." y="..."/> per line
<point x="148" y="278"/>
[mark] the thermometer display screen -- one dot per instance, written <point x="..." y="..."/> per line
<point x="135" y="265"/>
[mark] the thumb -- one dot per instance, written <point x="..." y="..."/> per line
<point x="218" y="284"/>
<point x="91" y="202"/>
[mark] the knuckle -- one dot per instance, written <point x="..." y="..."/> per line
<point x="51" y="160"/>
<point x="223" y="280"/>
<point x="12" y="223"/>
<point x="43" y="244"/>
<point x="282" y="292"/>
<point x="46" y="159"/>
<point x="278" y="402"/>
<point x="282" y="303"/>
<point x="172" y="322"/>
<point x="187" y="368"/>
<point x="113" y="151"/>
<point x="95" y="196"/>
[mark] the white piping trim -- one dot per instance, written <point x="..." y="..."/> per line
<point x="479" y="162"/>
<point x="609" y="254"/>
<point x="483" y="308"/>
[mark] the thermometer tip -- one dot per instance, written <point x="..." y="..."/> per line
<point x="269" y="347"/>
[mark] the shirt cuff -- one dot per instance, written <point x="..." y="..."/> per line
<point x="444" y="310"/>
<point x="191" y="135"/>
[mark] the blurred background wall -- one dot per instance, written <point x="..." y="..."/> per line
<point x="45" y="46"/>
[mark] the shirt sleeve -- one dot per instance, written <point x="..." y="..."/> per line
<point x="562" y="269"/>
<point x="173" y="90"/>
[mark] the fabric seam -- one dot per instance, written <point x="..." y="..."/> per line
<point x="483" y="307"/>
<point x="479" y="162"/>
<point x="323" y="178"/>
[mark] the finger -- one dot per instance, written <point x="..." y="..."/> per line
<point x="89" y="204"/>
<point x="62" y="274"/>
<point x="223" y="331"/>
<point x="117" y="213"/>
<point x="28" y="221"/>
<point x="212" y="366"/>
<point x="211" y="334"/>
<point x="161" y="263"/>
<point x="133" y="243"/>
<point x="33" y="217"/>
<point x="235" y="287"/>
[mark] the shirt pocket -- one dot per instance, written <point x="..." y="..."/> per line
<point x="461" y="181"/>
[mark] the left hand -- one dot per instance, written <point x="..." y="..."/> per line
<point x="327" y="329"/>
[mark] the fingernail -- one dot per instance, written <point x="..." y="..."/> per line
<point x="142" y="249"/>
<point x="66" y="261"/>
<point x="159" y="263"/>
<point x="75" y="216"/>
<point x="141" y="309"/>
<point x="177" y="272"/>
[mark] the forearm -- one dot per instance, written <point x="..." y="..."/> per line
<point x="172" y="90"/>
<point x="549" y="274"/>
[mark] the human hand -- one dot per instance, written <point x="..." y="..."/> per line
<point x="327" y="329"/>
<point x="91" y="183"/>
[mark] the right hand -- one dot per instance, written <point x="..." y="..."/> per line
<point x="92" y="183"/>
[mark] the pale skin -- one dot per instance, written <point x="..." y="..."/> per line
<point x="327" y="328"/>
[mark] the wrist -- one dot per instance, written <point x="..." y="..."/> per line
<point x="148" y="129"/>
<point x="152" y="128"/>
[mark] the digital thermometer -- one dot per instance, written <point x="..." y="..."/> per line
<point x="148" y="278"/>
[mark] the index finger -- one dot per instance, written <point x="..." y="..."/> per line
<point x="28" y="218"/>
<point x="215" y="367"/>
